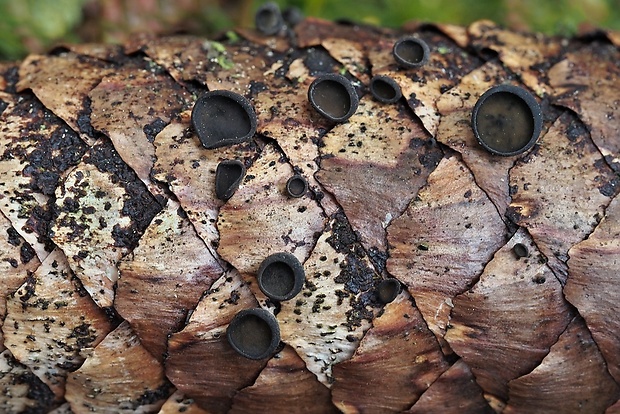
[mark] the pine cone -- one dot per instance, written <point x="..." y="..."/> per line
<point x="318" y="220"/>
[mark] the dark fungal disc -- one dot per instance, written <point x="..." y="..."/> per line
<point x="507" y="120"/>
<point x="388" y="289"/>
<point x="410" y="52"/>
<point x="385" y="89"/>
<point x="296" y="186"/>
<point x="268" y="19"/>
<point x="254" y="333"/>
<point x="520" y="250"/>
<point x="223" y="118"/>
<point x="228" y="176"/>
<point x="281" y="276"/>
<point x="333" y="96"/>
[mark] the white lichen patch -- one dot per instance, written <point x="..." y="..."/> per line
<point x="91" y="205"/>
<point x="51" y="322"/>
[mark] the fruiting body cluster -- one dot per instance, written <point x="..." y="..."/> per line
<point x="506" y="120"/>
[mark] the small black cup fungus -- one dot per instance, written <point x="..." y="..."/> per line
<point x="296" y="186"/>
<point x="388" y="289"/>
<point x="411" y="52"/>
<point x="333" y="96"/>
<point x="385" y="89"/>
<point x="268" y="19"/>
<point x="228" y="176"/>
<point x="292" y="16"/>
<point x="223" y="118"/>
<point x="507" y="120"/>
<point x="254" y="333"/>
<point x="520" y="250"/>
<point x="281" y="276"/>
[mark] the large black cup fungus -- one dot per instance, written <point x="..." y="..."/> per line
<point x="333" y="96"/>
<point x="228" y="176"/>
<point x="223" y="118"/>
<point x="385" y="89"/>
<point x="268" y="19"/>
<point x="507" y="120"/>
<point x="411" y="52"/>
<point x="296" y="186"/>
<point x="281" y="276"/>
<point x="254" y="333"/>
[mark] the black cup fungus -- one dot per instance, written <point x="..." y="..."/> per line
<point x="281" y="276"/>
<point x="411" y="52"/>
<point x="254" y="333"/>
<point x="268" y="19"/>
<point x="292" y="16"/>
<point x="223" y="118"/>
<point x="296" y="186"/>
<point x="385" y="89"/>
<point x="520" y="250"/>
<point x="507" y="120"/>
<point x="333" y="96"/>
<point x="228" y="176"/>
<point x="388" y="289"/>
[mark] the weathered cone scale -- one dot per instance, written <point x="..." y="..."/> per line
<point x="317" y="220"/>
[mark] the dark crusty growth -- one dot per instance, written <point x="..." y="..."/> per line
<point x="127" y="247"/>
<point x="138" y="204"/>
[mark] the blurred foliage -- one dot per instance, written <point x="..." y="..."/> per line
<point x="34" y="25"/>
<point x="31" y="24"/>
<point x="547" y="16"/>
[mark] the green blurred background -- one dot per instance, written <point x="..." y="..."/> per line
<point x="35" y="25"/>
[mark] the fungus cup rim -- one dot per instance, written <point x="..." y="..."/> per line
<point x="291" y="180"/>
<point x="390" y="283"/>
<point x="529" y="101"/>
<point x="346" y="84"/>
<point x="265" y="316"/>
<point x="391" y="82"/>
<point x="275" y="11"/>
<point x="230" y="191"/>
<point x="240" y="100"/>
<point x="520" y="250"/>
<point x="294" y="264"/>
<point x="406" y="63"/>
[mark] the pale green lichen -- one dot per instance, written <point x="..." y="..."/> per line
<point x="218" y="47"/>
<point x="232" y="36"/>
<point x="224" y="62"/>
<point x="216" y="52"/>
